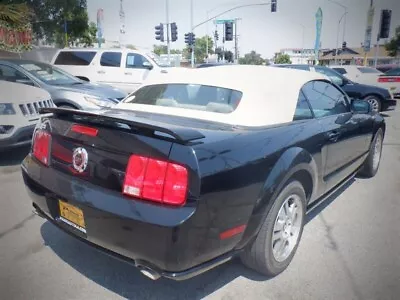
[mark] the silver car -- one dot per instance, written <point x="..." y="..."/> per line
<point x="65" y="89"/>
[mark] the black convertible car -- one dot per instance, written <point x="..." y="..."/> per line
<point x="379" y="98"/>
<point x="200" y="166"/>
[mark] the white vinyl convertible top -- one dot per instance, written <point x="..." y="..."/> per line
<point x="269" y="94"/>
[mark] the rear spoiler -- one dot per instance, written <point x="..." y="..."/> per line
<point x="181" y="135"/>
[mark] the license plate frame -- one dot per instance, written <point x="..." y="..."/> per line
<point x="72" y="215"/>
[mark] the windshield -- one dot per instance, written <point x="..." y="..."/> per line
<point x="157" y="60"/>
<point x="50" y="75"/>
<point x="369" y="70"/>
<point x="189" y="96"/>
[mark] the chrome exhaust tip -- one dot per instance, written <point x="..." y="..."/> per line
<point x="153" y="275"/>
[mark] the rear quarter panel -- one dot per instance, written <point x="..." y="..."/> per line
<point x="241" y="177"/>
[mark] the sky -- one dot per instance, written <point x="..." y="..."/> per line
<point x="258" y="28"/>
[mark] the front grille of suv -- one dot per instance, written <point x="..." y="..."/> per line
<point x="31" y="109"/>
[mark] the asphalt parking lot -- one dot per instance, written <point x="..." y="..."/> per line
<point x="350" y="249"/>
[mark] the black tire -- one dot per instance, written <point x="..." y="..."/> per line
<point x="369" y="168"/>
<point x="375" y="102"/>
<point x="259" y="254"/>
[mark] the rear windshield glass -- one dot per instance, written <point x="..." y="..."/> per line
<point x="190" y="96"/>
<point x="393" y="72"/>
<point x="75" y="58"/>
<point x="369" y="70"/>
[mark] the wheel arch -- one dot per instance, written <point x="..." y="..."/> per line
<point x="294" y="164"/>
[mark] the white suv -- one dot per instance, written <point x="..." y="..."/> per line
<point x="19" y="113"/>
<point x="122" y="68"/>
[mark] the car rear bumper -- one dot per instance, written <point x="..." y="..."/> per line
<point x="171" y="242"/>
<point x="21" y="137"/>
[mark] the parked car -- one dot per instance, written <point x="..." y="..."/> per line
<point x="380" y="98"/>
<point x="386" y="67"/>
<point x="125" y="69"/>
<point x="190" y="171"/>
<point x="19" y="113"/>
<point x="65" y="89"/>
<point x="392" y="77"/>
<point x="366" y="75"/>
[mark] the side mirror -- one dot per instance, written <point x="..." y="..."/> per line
<point x="360" y="106"/>
<point x="147" y="65"/>
<point x="25" y="81"/>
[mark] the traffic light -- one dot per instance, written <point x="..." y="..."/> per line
<point x="174" y="32"/>
<point x="344" y="45"/>
<point x="228" y="31"/>
<point x="193" y="39"/>
<point x="190" y="38"/>
<point x="384" y="28"/>
<point x="273" y="5"/>
<point x="216" y="35"/>
<point x="160" y="32"/>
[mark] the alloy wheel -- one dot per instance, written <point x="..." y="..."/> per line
<point x="287" y="228"/>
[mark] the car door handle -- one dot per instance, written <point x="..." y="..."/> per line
<point x="333" y="136"/>
<point x="128" y="73"/>
<point x="101" y="72"/>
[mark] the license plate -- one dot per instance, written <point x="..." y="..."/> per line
<point x="392" y="88"/>
<point x="72" y="215"/>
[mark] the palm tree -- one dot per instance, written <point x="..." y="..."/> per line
<point x="15" y="13"/>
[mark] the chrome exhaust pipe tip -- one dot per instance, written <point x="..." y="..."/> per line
<point x="153" y="275"/>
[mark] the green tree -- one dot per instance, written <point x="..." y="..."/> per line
<point x="89" y="37"/>
<point x="200" y="49"/>
<point x="130" y="46"/>
<point x="394" y="44"/>
<point x="282" y="59"/>
<point x="160" y="49"/>
<point x="50" y="16"/>
<point x="15" y="13"/>
<point x="252" y="58"/>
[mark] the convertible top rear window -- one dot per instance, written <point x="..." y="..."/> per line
<point x="189" y="96"/>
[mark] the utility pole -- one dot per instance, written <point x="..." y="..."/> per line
<point x="168" y="39"/>
<point x="236" y="41"/>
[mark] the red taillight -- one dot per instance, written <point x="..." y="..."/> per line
<point x="41" y="146"/>
<point x="156" y="180"/>
<point x="84" y="130"/>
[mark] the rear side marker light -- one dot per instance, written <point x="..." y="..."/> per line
<point x="156" y="180"/>
<point x="41" y="146"/>
<point x="232" y="232"/>
<point x="84" y="130"/>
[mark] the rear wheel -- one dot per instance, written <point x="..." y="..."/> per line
<point x="371" y="164"/>
<point x="375" y="103"/>
<point x="276" y="243"/>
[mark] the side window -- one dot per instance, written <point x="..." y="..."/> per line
<point x="325" y="99"/>
<point x="10" y="74"/>
<point x="303" y="111"/>
<point x="111" y="59"/>
<point x="300" y="67"/>
<point x="135" y="61"/>
<point x="75" y="58"/>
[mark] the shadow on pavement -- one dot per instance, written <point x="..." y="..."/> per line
<point x="126" y="281"/>
<point x="319" y="206"/>
<point x="13" y="157"/>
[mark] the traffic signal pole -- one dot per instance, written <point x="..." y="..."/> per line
<point x="192" y="28"/>
<point x="168" y="39"/>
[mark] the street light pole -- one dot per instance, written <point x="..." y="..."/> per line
<point x="337" y="38"/>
